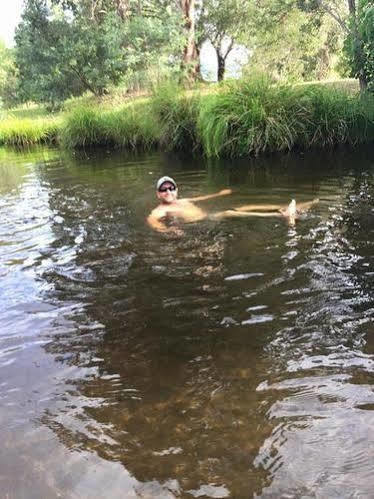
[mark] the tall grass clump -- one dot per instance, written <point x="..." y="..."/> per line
<point x="25" y="132"/>
<point x="131" y="127"/>
<point x="81" y="127"/>
<point x="251" y="116"/>
<point x="248" y="117"/>
<point x="176" y="111"/>
<point x="335" y="116"/>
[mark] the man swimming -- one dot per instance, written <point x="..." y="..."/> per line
<point x="171" y="207"/>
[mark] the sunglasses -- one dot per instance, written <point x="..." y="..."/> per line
<point x="164" y="189"/>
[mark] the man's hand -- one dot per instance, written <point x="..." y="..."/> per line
<point x="225" y="192"/>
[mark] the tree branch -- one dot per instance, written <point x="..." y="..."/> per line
<point x="229" y="48"/>
<point x="335" y="16"/>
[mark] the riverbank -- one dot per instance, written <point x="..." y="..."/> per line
<point x="235" y="119"/>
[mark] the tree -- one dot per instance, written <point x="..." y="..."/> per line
<point x="58" y="58"/>
<point x="8" y="76"/>
<point x="69" y="46"/>
<point x="223" y="23"/>
<point x="359" y="45"/>
<point x="291" y="41"/>
<point x="356" y="20"/>
<point x="190" y="60"/>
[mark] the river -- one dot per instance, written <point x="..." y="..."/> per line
<point x="235" y="361"/>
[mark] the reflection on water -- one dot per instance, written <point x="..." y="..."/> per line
<point x="236" y="361"/>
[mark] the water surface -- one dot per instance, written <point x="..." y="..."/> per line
<point x="236" y="361"/>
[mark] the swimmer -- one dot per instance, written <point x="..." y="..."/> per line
<point x="171" y="207"/>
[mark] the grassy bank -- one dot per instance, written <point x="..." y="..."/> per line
<point x="245" y="117"/>
<point x="26" y="131"/>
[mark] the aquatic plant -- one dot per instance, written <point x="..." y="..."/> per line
<point x="335" y="116"/>
<point x="248" y="117"/>
<point x="132" y="127"/>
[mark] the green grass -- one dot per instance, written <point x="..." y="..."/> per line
<point x="25" y="131"/>
<point x="249" y="117"/>
<point x="177" y="113"/>
<point x="239" y="118"/>
<point x="130" y="127"/>
<point x="31" y="111"/>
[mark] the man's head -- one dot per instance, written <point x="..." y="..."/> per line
<point x="167" y="190"/>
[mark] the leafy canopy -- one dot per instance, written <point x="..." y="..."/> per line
<point x="359" y="45"/>
<point x="64" y="48"/>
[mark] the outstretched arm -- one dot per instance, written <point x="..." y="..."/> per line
<point x="224" y="192"/>
<point x="156" y="223"/>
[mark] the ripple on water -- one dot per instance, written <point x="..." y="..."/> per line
<point x="328" y="431"/>
<point x="130" y="346"/>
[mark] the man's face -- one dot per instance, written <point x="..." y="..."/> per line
<point x="167" y="193"/>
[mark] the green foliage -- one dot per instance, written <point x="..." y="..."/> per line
<point x="359" y="45"/>
<point x="249" y="117"/>
<point x="335" y="117"/>
<point x="63" y="51"/>
<point x="253" y="116"/>
<point x="40" y="49"/>
<point x="223" y="23"/>
<point x="83" y="127"/>
<point x="59" y="58"/>
<point x="130" y="127"/>
<point x="8" y="77"/>
<point x="240" y="118"/>
<point x="294" y="42"/>
<point x="24" y="132"/>
<point x="177" y="112"/>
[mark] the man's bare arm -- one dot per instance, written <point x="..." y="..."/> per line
<point x="224" y="192"/>
<point x="155" y="222"/>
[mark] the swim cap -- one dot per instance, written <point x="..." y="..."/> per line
<point x="162" y="180"/>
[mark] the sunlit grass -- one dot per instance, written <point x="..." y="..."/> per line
<point x="238" y="118"/>
<point x="130" y="127"/>
<point x="252" y="116"/>
<point x="26" y="111"/>
<point x="177" y="113"/>
<point x="351" y="85"/>
<point x="25" y="131"/>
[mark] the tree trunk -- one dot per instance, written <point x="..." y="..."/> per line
<point x="352" y="7"/>
<point x="122" y="8"/>
<point x="221" y="66"/>
<point x="190" y="53"/>
<point x="363" y="83"/>
<point x="357" y="45"/>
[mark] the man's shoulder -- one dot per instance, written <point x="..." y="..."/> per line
<point x="159" y="210"/>
<point x="185" y="202"/>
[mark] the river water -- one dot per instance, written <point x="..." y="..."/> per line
<point x="235" y="361"/>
